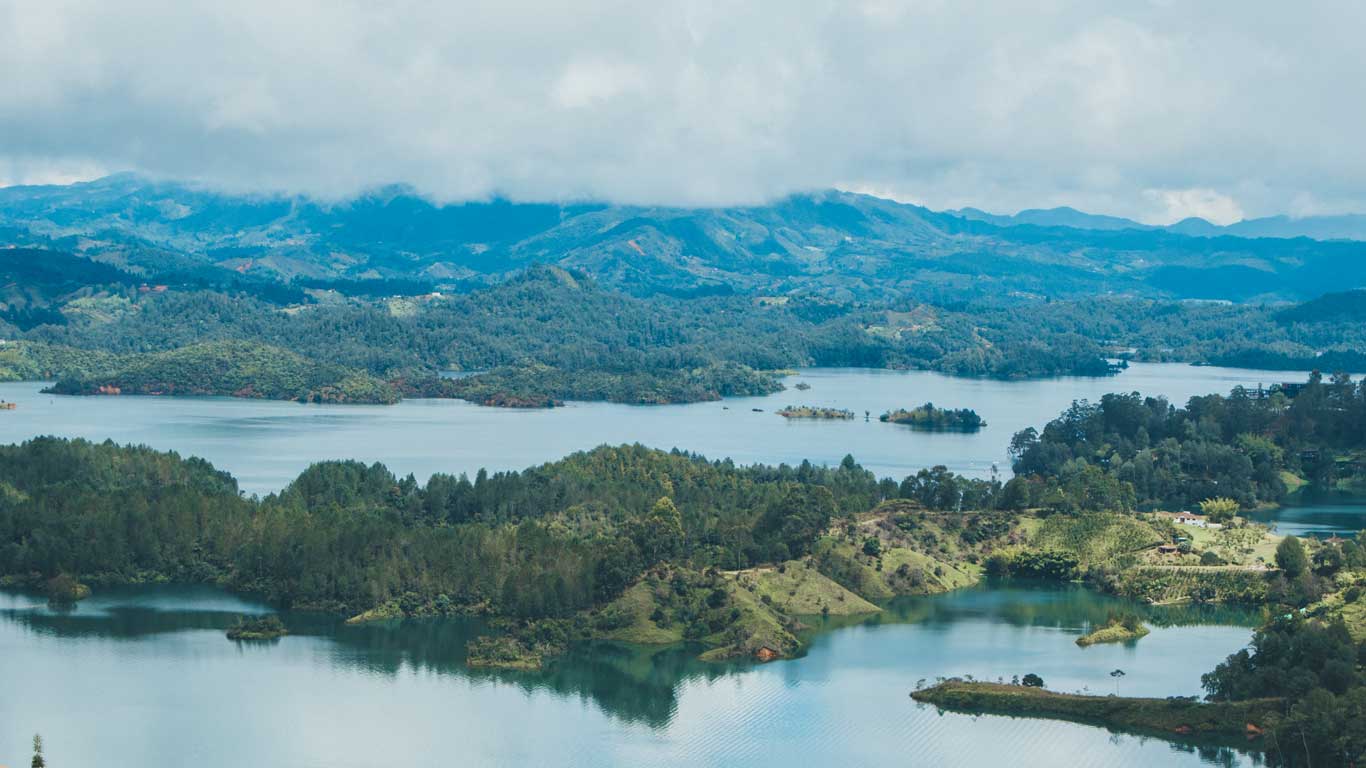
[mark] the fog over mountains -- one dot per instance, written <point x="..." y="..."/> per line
<point x="837" y="244"/>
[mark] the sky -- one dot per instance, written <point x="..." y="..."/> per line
<point x="1151" y="109"/>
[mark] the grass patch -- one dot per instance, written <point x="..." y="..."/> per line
<point x="797" y="588"/>
<point x="1095" y="537"/>
<point x="1293" y="482"/>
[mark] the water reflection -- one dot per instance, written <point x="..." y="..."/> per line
<point x="632" y="684"/>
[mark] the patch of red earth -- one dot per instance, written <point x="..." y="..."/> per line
<point x="766" y="654"/>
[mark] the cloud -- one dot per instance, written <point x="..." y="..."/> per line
<point x="1091" y="103"/>
<point x="1177" y="204"/>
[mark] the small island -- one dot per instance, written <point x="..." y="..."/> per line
<point x="813" y="412"/>
<point x="1237" y="722"/>
<point x="928" y="417"/>
<point x="64" y="589"/>
<point x="259" y="628"/>
<point x="502" y="652"/>
<point x="1116" y="630"/>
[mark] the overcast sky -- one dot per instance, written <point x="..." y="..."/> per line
<point x="1155" y="110"/>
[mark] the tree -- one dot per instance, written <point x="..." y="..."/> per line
<point x="1032" y="680"/>
<point x="1219" y="510"/>
<point x="791" y="523"/>
<point x="660" y="535"/>
<point x="1290" y="557"/>
<point x="1117" y="674"/>
<point x="872" y="547"/>
<point x="38" y="761"/>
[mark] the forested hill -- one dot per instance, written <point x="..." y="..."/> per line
<point x="835" y="244"/>
<point x="568" y="322"/>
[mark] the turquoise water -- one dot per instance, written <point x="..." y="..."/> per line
<point x="1318" y="520"/>
<point x="145" y="677"/>
<point x="266" y="444"/>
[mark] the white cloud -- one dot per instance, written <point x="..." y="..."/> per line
<point x="1000" y="105"/>
<point x="590" y="82"/>
<point x="1177" y="204"/>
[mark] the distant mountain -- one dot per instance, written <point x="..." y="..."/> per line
<point x="835" y="244"/>
<point x="1345" y="227"/>
<point x="1052" y="217"/>
<point x="1339" y="307"/>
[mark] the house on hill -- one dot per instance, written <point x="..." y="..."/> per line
<point x="1190" y="518"/>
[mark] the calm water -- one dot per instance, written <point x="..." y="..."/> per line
<point x="266" y="444"/>
<point x="1318" y="520"/>
<point x="145" y="677"/>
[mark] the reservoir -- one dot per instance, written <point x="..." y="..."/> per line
<point x="265" y="444"/>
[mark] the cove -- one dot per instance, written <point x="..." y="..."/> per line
<point x="144" y="675"/>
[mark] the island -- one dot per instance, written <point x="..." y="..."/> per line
<point x="928" y="417"/>
<point x="1179" y="718"/>
<point x="1118" y="629"/>
<point x="814" y="412"/>
<point x="64" y="589"/>
<point x="228" y="368"/>
<point x="258" y="628"/>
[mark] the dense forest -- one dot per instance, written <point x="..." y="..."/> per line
<point x="1130" y="451"/>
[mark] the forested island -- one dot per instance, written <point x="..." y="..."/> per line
<point x="257" y="628"/>
<point x="229" y="368"/>
<point x="928" y="417"/>
<point x="541" y="386"/>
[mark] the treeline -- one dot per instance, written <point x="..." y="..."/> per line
<point x="1128" y="450"/>
<point x="540" y="386"/>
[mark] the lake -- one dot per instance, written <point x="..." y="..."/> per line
<point x="265" y="444"/>
<point x="144" y="676"/>
<point x="1318" y="520"/>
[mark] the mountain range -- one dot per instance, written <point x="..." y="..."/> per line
<point x="1350" y="226"/>
<point x="834" y="244"/>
